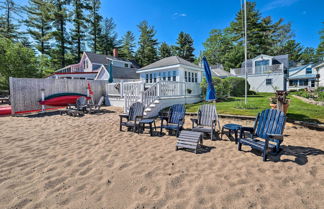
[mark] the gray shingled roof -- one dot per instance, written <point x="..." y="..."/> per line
<point x="123" y="73"/>
<point x="169" y="61"/>
<point x="277" y="60"/>
<point x="102" y="59"/>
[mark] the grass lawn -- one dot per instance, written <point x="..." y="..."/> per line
<point x="298" y="110"/>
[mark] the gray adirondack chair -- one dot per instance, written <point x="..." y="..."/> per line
<point x="133" y="117"/>
<point x="266" y="135"/>
<point x="77" y="109"/>
<point x="207" y="120"/>
<point x="96" y="107"/>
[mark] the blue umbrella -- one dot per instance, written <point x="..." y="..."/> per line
<point x="211" y="93"/>
<point x="111" y="79"/>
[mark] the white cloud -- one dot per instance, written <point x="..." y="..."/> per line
<point x="177" y="14"/>
<point x="278" y="3"/>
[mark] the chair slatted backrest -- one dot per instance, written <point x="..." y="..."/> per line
<point x="270" y="121"/>
<point x="207" y="114"/>
<point x="81" y="102"/>
<point x="176" y="113"/>
<point x="101" y="100"/>
<point x="137" y="109"/>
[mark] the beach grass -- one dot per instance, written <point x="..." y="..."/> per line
<point x="298" y="110"/>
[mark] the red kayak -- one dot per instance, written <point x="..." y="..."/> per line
<point x="5" y="110"/>
<point x="61" y="100"/>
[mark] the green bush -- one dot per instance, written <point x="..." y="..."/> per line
<point x="222" y="87"/>
<point x="231" y="86"/>
<point x="237" y="86"/>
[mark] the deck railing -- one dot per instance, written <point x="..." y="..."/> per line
<point x="258" y="70"/>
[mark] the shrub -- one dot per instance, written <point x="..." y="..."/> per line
<point x="222" y="87"/>
<point x="237" y="86"/>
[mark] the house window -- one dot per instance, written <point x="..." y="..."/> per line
<point x="189" y="77"/>
<point x="174" y="77"/>
<point x="164" y="76"/>
<point x="146" y="76"/>
<point x="303" y="82"/>
<point x="269" y="81"/>
<point x="186" y="77"/>
<point x="150" y="77"/>
<point x="169" y="75"/>
<point x="126" y="65"/>
<point x="293" y="82"/>
<point x="196" y="77"/>
<point x="261" y="66"/>
<point x="308" y="70"/>
<point x="192" y="77"/>
<point x="313" y="83"/>
<point x="154" y="77"/>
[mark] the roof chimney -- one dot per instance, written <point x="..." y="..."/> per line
<point x="115" y="52"/>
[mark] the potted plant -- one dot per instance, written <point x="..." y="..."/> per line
<point x="273" y="102"/>
<point x="189" y="91"/>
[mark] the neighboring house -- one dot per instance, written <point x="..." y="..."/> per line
<point x="319" y="68"/>
<point x="96" y="67"/>
<point x="265" y="73"/>
<point x="302" y="77"/>
<point x="171" y="69"/>
<point x="218" y="71"/>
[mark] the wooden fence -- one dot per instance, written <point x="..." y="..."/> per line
<point x="25" y="93"/>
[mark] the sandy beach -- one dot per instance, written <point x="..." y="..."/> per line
<point x="66" y="162"/>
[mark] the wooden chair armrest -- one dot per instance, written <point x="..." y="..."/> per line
<point x="275" y="136"/>
<point x="244" y="128"/>
<point x="123" y="115"/>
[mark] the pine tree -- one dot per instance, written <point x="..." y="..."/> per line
<point x="128" y="45"/>
<point x="308" y="55"/>
<point x="294" y="49"/>
<point x="60" y="17"/>
<point x="95" y="20"/>
<point x="79" y="27"/>
<point x="185" y="47"/>
<point x="147" y="52"/>
<point x="8" y="27"/>
<point x="164" y="51"/>
<point x="320" y="48"/>
<point x="38" y="24"/>
<point x="107" y="40"/>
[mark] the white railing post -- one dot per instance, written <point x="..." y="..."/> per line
<point x="122" y="88"/>
<point x="43" y="98"/>
<point x="158" y="87"/>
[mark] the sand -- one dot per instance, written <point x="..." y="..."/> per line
<point x="66" y="162"/>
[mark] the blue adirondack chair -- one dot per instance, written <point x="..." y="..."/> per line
<point x="174" y="119"/>
<point x="266" y="135"/>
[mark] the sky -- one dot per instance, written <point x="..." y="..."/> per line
<point x="198" y="18"/>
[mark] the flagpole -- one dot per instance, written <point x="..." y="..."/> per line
<point x="245" y="51"/>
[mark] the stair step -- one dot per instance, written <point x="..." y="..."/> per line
<point x="152" y="105"/>
<point x="148" y="109"/>
<point x="156" y="101"/>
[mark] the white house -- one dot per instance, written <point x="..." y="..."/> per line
<point x="169" y="81"/>
<point x="302" y="77"/>
<point x="218" y="71"/>
<point x="96" y="66"/>
<point x="171" y="69"/>
<point x="265" y="73"/>
<point x="319" y="68"/>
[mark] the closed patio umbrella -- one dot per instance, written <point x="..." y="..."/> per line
<point x="211" y="93"/>
<point x="111" y="79"/>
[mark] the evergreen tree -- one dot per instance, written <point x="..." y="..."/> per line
<point x="147" y="52"/>
<point x="38" y="23"/>
<point x="308" y="55"/>
<point x="60" y="17"/>
<point x="79" y="27"/>
<point x="294" y="49"/>
<point x="164" y="51"/>
<point x="8" y="27"/>
<point x="185" y="47"/>
<point x="95" y="20"/>
<point x="128" y="45"/>
<point x="320" y="48"/>
<point x="107" y="40"/>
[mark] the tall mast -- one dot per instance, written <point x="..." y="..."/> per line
<point x="245" y="51"/>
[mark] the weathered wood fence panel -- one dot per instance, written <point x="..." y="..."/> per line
<point x="25" y="93"/>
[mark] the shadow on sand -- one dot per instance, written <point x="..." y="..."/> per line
<point x="55" y="113"/>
